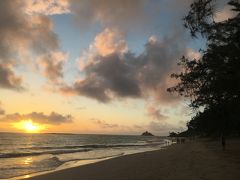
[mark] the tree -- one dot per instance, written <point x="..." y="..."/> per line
<point x="172" y="134"/>
<point x="212" y="83"/>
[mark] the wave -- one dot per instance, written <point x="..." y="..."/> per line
<point x="45" y="165"/>
<point x="92" y="146"/>
<point x="53" y="161"/>
<point x="23" y="154"/>
<point x="69" y="149"/>
<point x="93" y="158"/>
<point x="11" y="171"/>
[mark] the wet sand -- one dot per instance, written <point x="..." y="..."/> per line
<point x="195" y="160"/>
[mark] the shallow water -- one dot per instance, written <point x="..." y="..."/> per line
<point x="23" y="154"/>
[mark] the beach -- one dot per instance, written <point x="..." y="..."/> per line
<point x="34" y="154"/>
<point x="193" y="160"/>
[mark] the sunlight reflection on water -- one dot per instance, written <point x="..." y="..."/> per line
<point x="27" y="176"/>
<point x="28" y="161"/>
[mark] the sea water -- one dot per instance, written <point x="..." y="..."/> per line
<point x="25" y="154"/>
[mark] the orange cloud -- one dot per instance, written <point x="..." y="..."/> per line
<point x="48" y="7"/>
<point x="39" y="117"/>
<point x="107" y="42"/>
<point x="110" y="41"/>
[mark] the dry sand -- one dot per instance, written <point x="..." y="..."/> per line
<point x="197" y="160"/>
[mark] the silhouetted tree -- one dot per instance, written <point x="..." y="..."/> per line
<point x="172" y="134"/>
<point x="212" y="83"/>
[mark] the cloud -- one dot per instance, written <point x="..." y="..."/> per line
<point x="39" y="117"/>
<point x="109" y="41"/>
<point x="121" y="74"/>
<point x="104" y="124"/>
<point x="52" y="65"/>
<point x="2" y="111"/>
<point x="20" y="32"/>
<point x="155" y="113"/>
<point x="111" y="70"/>
<point x="48" y="7"/>
<point x="24" y="37"/>
<point x="109" y="13"/>
<point x="8" y="79"/>
<point x="156" y="127"/>
<point x="110" y="77"/>
<point x="162" y="128"/>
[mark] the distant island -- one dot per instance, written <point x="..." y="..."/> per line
<point x="147" y="134"/>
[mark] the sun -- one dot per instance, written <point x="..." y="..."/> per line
<point x="28" y="126"/>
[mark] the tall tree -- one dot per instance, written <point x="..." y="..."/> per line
<point x="212" y="83"/>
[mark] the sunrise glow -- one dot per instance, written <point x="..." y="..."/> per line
<point x="104" y="73"/>
<point x="28" y="126"/>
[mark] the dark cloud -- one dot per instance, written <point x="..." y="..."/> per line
<point x="92" y="86"/>
<point x="52" y="64"/>
<point x="8" y="79"/>
<point x="111" y="74"/>
<point x="2" y="111"/>
<point x="110" y="13"/>
<point x="122" y="75"/>
<point x="53" y="118"/>
<point x="21" y="31"/>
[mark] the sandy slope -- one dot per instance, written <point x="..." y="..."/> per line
<point x="190" y="161"/>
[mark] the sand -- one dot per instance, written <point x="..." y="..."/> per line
<point x="203" y="160"/>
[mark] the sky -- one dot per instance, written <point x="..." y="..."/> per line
<point x="94" y="66"/>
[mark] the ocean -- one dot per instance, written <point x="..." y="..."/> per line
<point x="29" y="154"/>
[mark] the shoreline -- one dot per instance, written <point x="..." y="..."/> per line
<point x="61" y="168"/>
<point x="192" y="160"/>
<point x="80" y="163"/>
